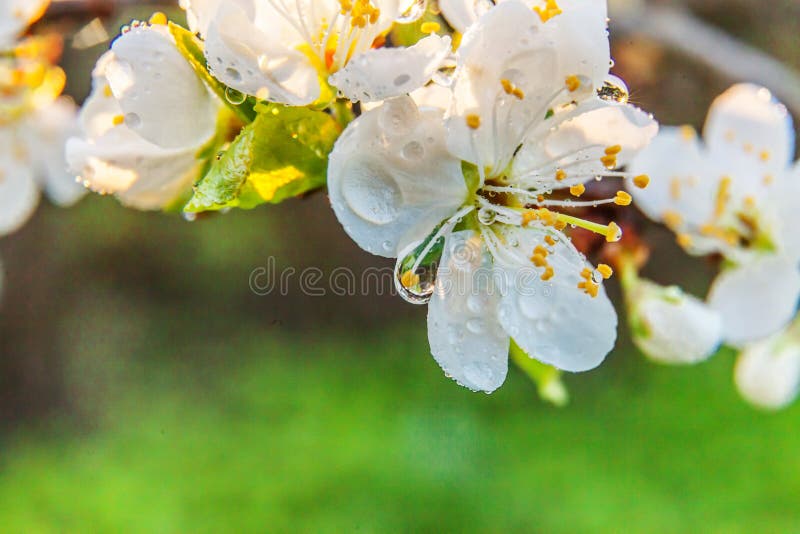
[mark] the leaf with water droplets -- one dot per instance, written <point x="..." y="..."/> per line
<point x="282" y="154"/>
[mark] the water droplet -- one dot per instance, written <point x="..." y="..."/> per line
<point x="476" y="325"/>
<point x="387" y="246"/>
<point x="132" y="120"/>
<point x="402" y="79"/>
<point x="398" y="116"/>
<point x="233" y="74"/>
<point x="613" y="90"/>
<point x="234" y="97"/>
<point x="475" y="304"/>
<point x="189" y="217"/>
<point x="486" y="216"/>
<point x="416" y="283"/>
<point x="413" y="150"/>
<point x="413" y="12"/>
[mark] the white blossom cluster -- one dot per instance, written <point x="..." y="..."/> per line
<point x="484" y="146"/>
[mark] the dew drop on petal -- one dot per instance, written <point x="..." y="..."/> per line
<point x="132" y="120"/>
<point x="413" y="151"/>
<point x="486" y="216"/>
<point x="233" y="74"/>
<point x="476" y="325"/>
<point x="234" y="97"/>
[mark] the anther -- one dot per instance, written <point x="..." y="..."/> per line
<point x="473" y="121"/>
<point x="158" y="19"/>
<point x="577" y="190"/>
<point x="641" y="181"/>
<point x="118" y="119"/>
<point x="623" y="198"/>
<point x="560" y="175"/>
<point x="430" y="27"/>
<point x="573" y="83"/>
<point x="605" y="271"/>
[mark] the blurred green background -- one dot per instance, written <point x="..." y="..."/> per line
<point x="143" y="387"/>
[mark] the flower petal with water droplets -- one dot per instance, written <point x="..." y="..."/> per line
<point x="465" y="338"/>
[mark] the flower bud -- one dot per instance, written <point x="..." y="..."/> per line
<point x="767" y="372"/>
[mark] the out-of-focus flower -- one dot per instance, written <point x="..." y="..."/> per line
<point x="289" y="52"/>
<point x="138" y="142"/>
<point x="734" y="194"/>
<point x="487" y="185"/>
<point x="16" y="16"/>
<point x="668" y="325"/>
<point x="767" y="372"/>
<point x="34" y="120"/>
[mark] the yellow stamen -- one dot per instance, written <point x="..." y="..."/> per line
<point x="118" y="119"/>
<point x="430" y="27"/>
<point x="550" y="241"/>
<point x="687" y="132"/>
<point x="723" y="196"/>
<point x="764" y="156"/>
<point x="684" y="240"/>
<point x="641" y="181"/>
<point x="560" y="175"/>
<point x="158" y="19"/>
<point x="577" y="190"/>
<point x="473" y="121"/>
<point x="107" y="91"/>
<point x="539" y="260"/>
<point x="613" y="150"/>
<point x="573" y="83"/>
<point x="541" y="251"/>
<point x="675" y="188"/>
<point x="623" y="198"/>
<point x="548" y="273"/>
<point x="672" y="219"/>
<point x="605" y="271"/>
<point x="613" y="232"/>
<point x="550" y="10"/>
<point x="609" y="161"/>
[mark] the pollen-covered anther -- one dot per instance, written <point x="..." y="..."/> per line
<point x="158" y="19"/>
<point x="685" y="240"/>
<point x="548" y="273"/>
<point x="118" y="120"/>
<point x="609" y="161"/>
<point x="687" y="132"/>
<point x="723" y="195"/>
<point x="672" y="219"/>
<point x="764" y="156"/>
<point x="107" y="91"/>
<point x="605" y="271"/>
<point x="641" y="181"/>
<point x="549" y="240"/>
<point x="539" y="260"/>
<point x="528" y="216"/>
<point x="573" y="83"/>
<point x="613" y="232"/>
<point x="613" y="150"/>
<point x="589" y="286"/>
<point x="511" y="89"/>
<point x="430" y="27"/>
<point x="577" y="190"/>
<point x="560" y="175"/>
<point x="473" y="121"/>
<point x="623" y="198"/>
<point x="549" y="11"/>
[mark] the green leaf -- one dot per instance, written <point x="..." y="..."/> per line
<point x="546" y="377"/>
<point x="192" y="49"/>
<point x="281" y="154"/>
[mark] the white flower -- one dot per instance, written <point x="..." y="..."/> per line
<point x="287" y="52"/>
<point x="733" y="194"/>
<point x="670" y="326"/>
<point x="767" y="372"/>
<point x="16" y="16"/>
<point x="526" y="119"/>
<point x="461" y="14"/>
<point x="137" y="142"/>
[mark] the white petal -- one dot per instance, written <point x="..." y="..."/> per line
<point x="459" y="14"/>
<point x="746" y="121"/>
<point x="144" y="60"/>
<point x="466" y="339"/>
<point x="784" y="198"/>
<point x="511" y="42"/>
<point x="554" y="321"/>
<point x="383" y="73"/>
<point x="142" y="175"/>
<point x="767" y="373"/>
<point x="756" y="299"/>
<point x="46" y="133"/>
<point x="256" y="60"/>
<point x="200" y="13"/>
<point x="680" y="178"/>
<point x="673" y="327"/>
<point x="16" y="16"/>
<point x="19" y="194"/>
<point x="390" y="178"/>
<point x="579" y="142"/>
